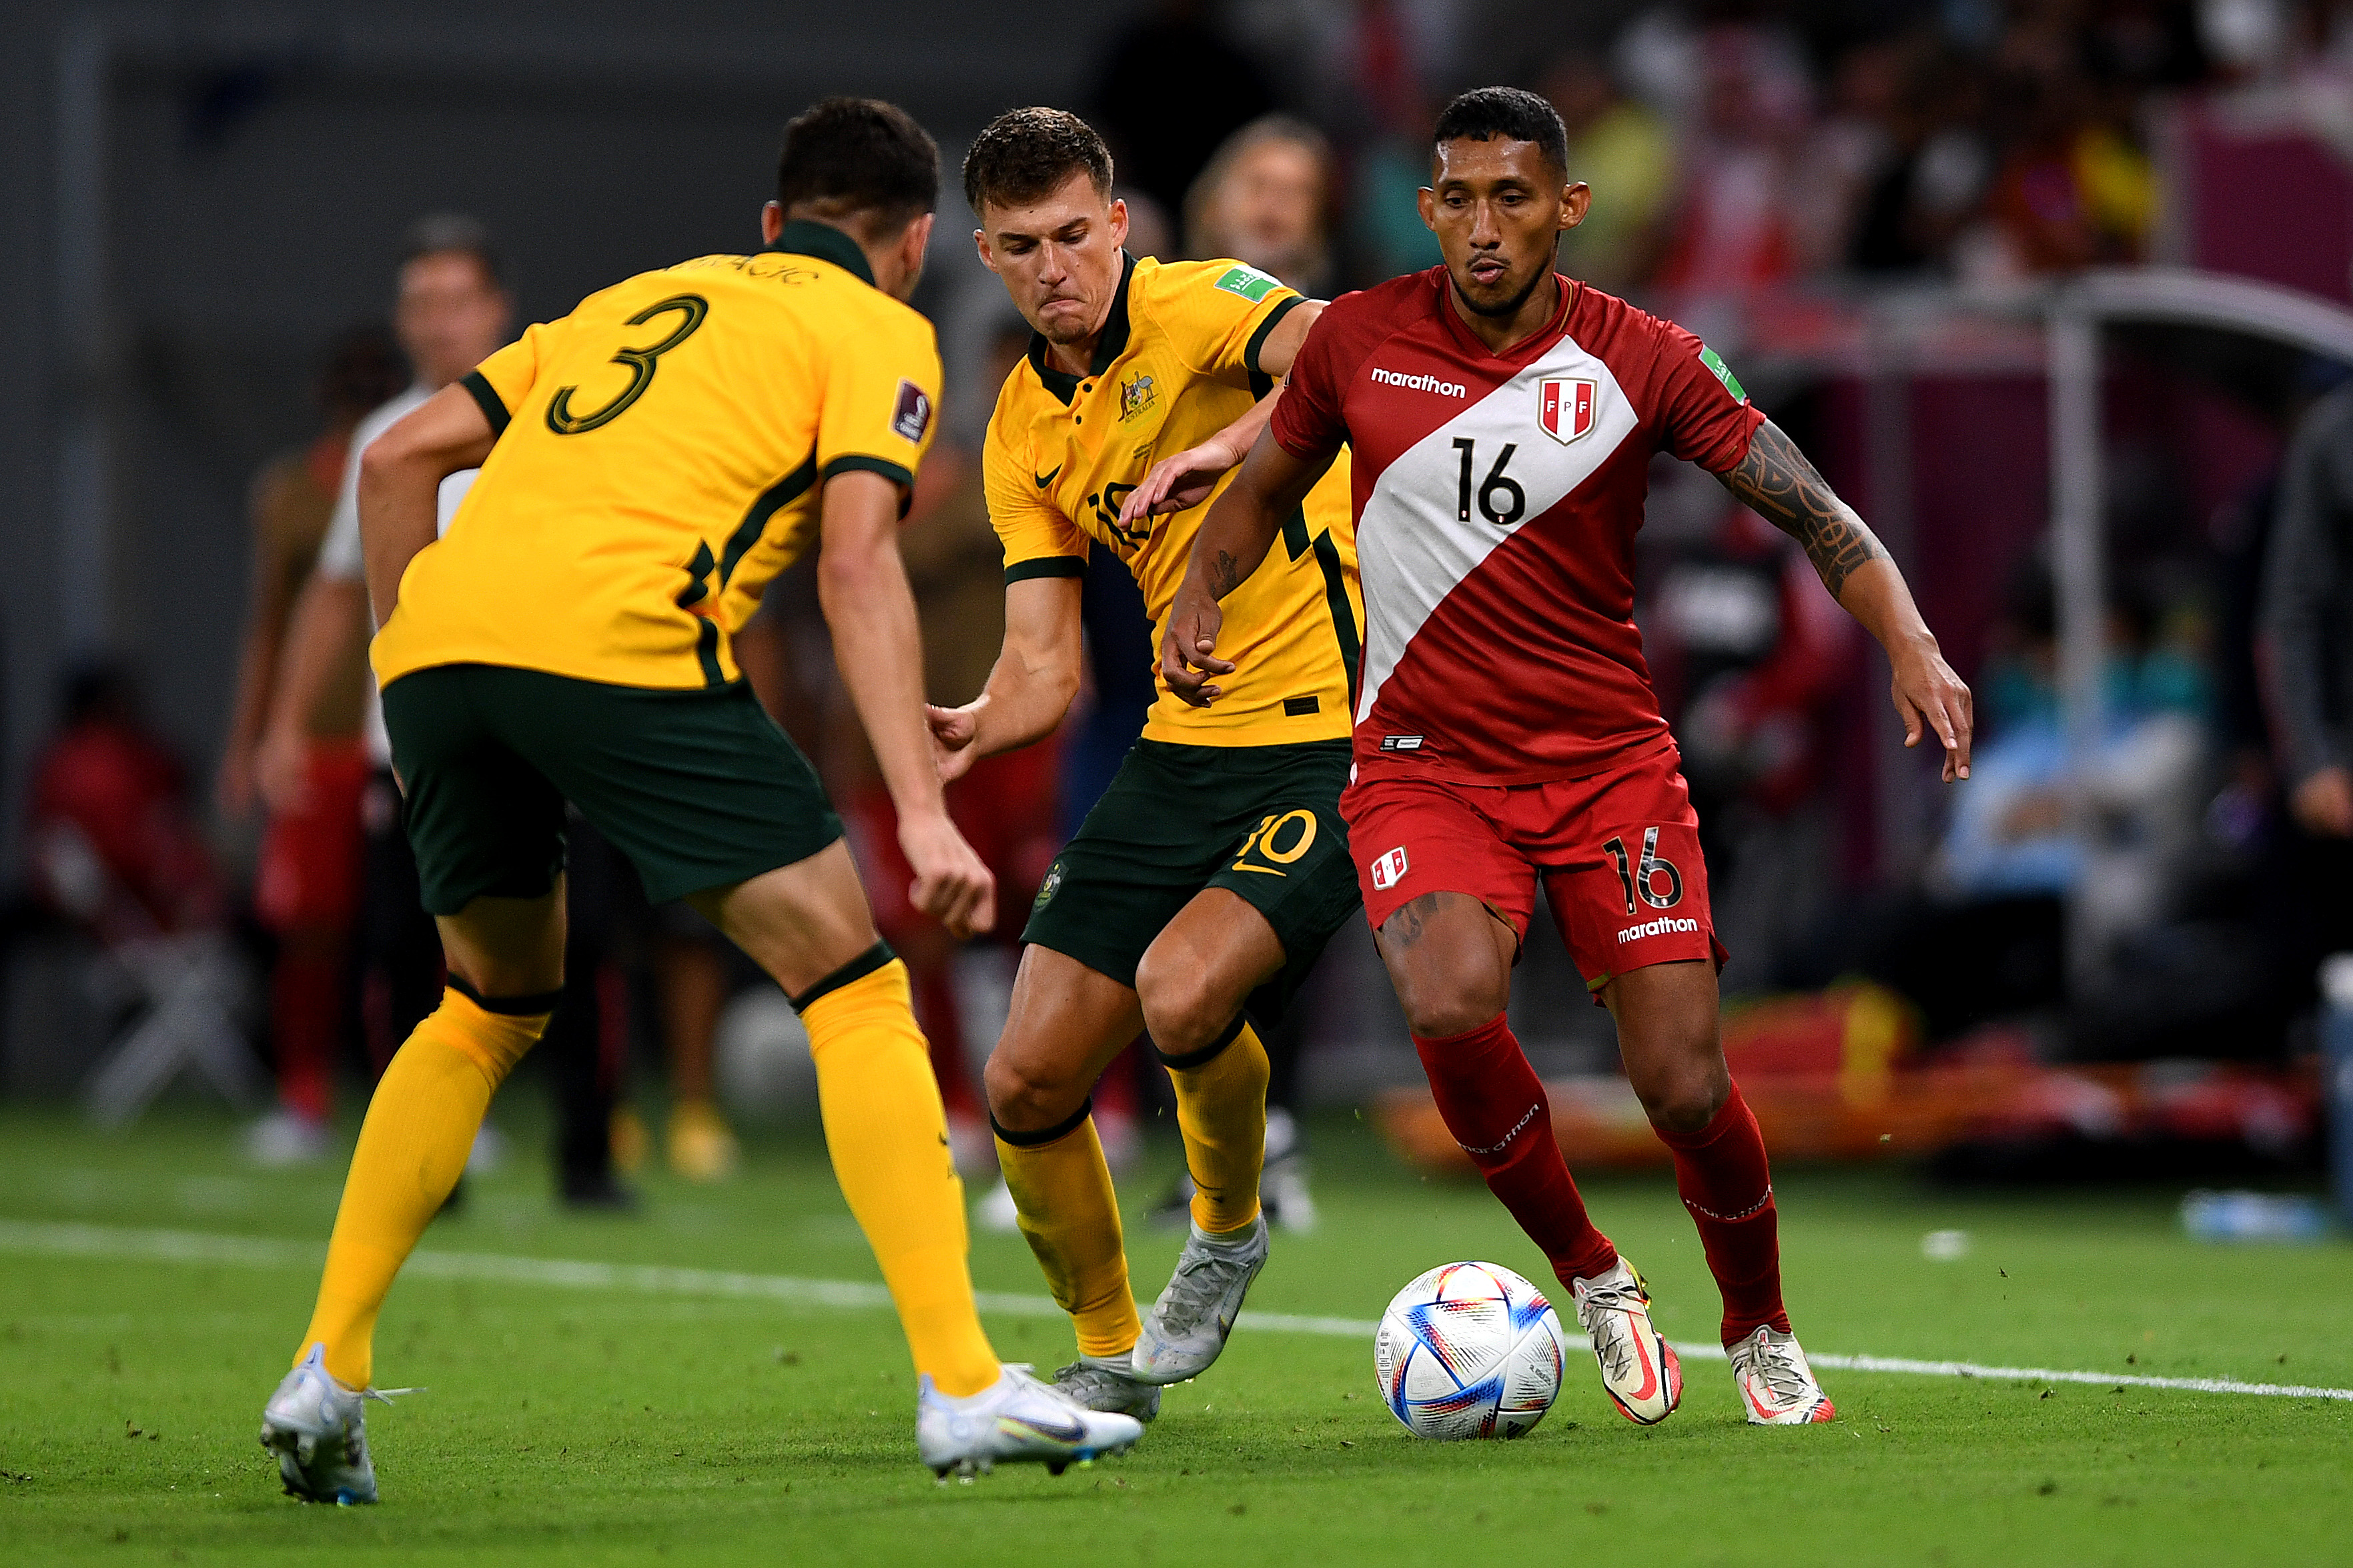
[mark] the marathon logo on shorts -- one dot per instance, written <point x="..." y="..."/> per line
<point x="1663" y="927"/>
<point x="1420" y="383"/>
<point x="1389" y="869"/>
<point x="912" y="414"/>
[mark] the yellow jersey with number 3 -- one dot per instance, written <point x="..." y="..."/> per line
<point x="660" y="456"/>
<point x="1177" y="362"/>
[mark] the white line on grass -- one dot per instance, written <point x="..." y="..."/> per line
<point x="56" y="1240"/>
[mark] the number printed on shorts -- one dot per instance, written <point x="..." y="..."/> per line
<point x="1641" y="877"/>
<point x="1282" y="837"/>
<point x="641" y="364"/>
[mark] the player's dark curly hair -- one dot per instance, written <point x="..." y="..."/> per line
<point x="1486" y="112"/>
<point x="858" y="157"/>
<point x="1026" y="154"/>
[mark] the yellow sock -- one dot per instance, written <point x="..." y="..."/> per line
<point x="420" y="1127"/>
<point x="1062" y="1191"/>
<point x="888" y="1139"/>
<point x="1221" y="1111"/>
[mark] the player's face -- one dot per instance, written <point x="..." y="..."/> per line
<point x="450" y="316"/>
<point x="1059" y="258"/>
<point x="1499" y="209"/>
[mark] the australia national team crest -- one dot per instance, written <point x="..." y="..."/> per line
<point x="1565" y="408"/>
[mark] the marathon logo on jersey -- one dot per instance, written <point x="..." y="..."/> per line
<point x="912" y="414"/>
<point x="1668" y="926"/>
<point x="1565" y="408"/>
<point x="1419" y="383"/>
<point x="1401" y="742"/>
<point x="1389" y="869"/>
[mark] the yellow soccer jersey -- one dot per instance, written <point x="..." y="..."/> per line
<point x="660" y="456"/>
<point x="1177" y="362"/>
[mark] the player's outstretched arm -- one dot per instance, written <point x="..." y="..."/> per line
<point x="1031" y="689"/>
<point x="1777" y="482"/>
<point x="1184" y="480"/>
<point x="400" y="485"/>
<point x="861" y="584"/>
<point x="1234" y="538"/>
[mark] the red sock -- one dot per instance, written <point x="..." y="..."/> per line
<point x="1721" y="1172"/>
<point x="306" y="1015"/>
<point x="1495" y="1105"/>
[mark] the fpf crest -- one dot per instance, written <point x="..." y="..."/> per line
<point x="1565" y="408"/>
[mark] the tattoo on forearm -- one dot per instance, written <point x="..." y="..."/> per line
<point x="1225" y="573"/>
<point x="1777" y="482"/>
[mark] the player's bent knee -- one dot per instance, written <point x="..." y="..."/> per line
<point x="1186" y="1009"/>
<point x="1030" y="1092"/>
<point x="1685" y="1100"/>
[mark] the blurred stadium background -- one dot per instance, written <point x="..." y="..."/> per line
<point x="2047" y="286"/>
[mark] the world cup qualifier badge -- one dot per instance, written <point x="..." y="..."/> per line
<point x="911" y="416"/>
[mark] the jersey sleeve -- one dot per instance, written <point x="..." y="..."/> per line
<point x="879" y="399"/>
<point x="1037" y="539"/>
<point x="1219" y="313"/>
<point x="1699" y="411"/>
<point x="1308" y="423"/>
<point x="501" y="383"/>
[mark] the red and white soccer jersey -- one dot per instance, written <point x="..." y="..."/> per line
<point x="1507" y="731"/>
<point x="1497" y="498"/>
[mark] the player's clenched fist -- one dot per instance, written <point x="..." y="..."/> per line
<point x="951" y="883"/>
<point x="1188" y="649"/>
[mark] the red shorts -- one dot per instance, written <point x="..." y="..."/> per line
<point x="1618" y="853"/>
<point x="1004" y="807"/>
<point x="308" y="873"/>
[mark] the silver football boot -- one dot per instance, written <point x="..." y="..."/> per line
<point x="1186" y="1329"/>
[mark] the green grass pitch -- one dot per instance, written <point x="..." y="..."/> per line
<point x="593" y="1425"/>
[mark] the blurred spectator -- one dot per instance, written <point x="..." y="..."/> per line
<point x="111" y="832"/>
<point x="1938" y="165"/>
<point x="1734" y="224"/>
<point x="2306" y="618"/>
<point x="307" y="880"/>
<point x="1265" y="198"/>
<point x="1626" y="153"/>
<point x="2073" y="190"/>
<point x="1172" y="88"/>
<point x="1751" y="653"/>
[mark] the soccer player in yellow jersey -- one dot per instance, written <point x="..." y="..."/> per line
<point x="649" y="463"/>
<point x="1199" y="892"/>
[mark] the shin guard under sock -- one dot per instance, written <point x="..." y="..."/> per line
<point x="1062" y="1191"/>
<point x="1722" y="1173"/>
<point x="889" y="1141"/>
<point x="1495" y="1105"/>
<point x="1221" y="1111"/>
<point x="420" y="1127"/>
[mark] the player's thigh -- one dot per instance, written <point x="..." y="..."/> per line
<point x="1203" y="967"/>
<point x="508" y="948"/>
<point x="1065" y="1023"/>
<point x="801" y="922"/>
<point x="1447" y="896"/>
<point x="1667" y="1018"/>
<point x="485" y="824"/>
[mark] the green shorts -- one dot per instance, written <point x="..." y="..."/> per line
<point x="1263" y="821"/>
<point x="698" y="787"/>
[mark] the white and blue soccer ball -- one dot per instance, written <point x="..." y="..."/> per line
<point x="1469" y="1350"/>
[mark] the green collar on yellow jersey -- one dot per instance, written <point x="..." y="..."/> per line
<point x="803" y="237"/>
<point x="1109" y="346"/>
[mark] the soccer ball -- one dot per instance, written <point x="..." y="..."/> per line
<point x="1469" y="1350"/>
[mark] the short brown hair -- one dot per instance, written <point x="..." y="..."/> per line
<point x="847" y="156"/>
<point x="1027" y="154"/>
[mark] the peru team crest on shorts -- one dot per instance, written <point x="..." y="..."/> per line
<point x="1565" y="408"/>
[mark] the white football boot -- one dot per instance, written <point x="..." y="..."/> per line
<point x="1108" y="1383"/>
<point x="1185" y="1330"/>
<point x="1015" y="1419"/>
<point x="1639" y="1369"/>
<point x="318" y="1429"/>
<point x="1777" y="1387"/>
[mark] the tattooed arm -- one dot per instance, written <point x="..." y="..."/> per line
<point x="1777" y="482"/>
<point x="1234" y="538"/>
